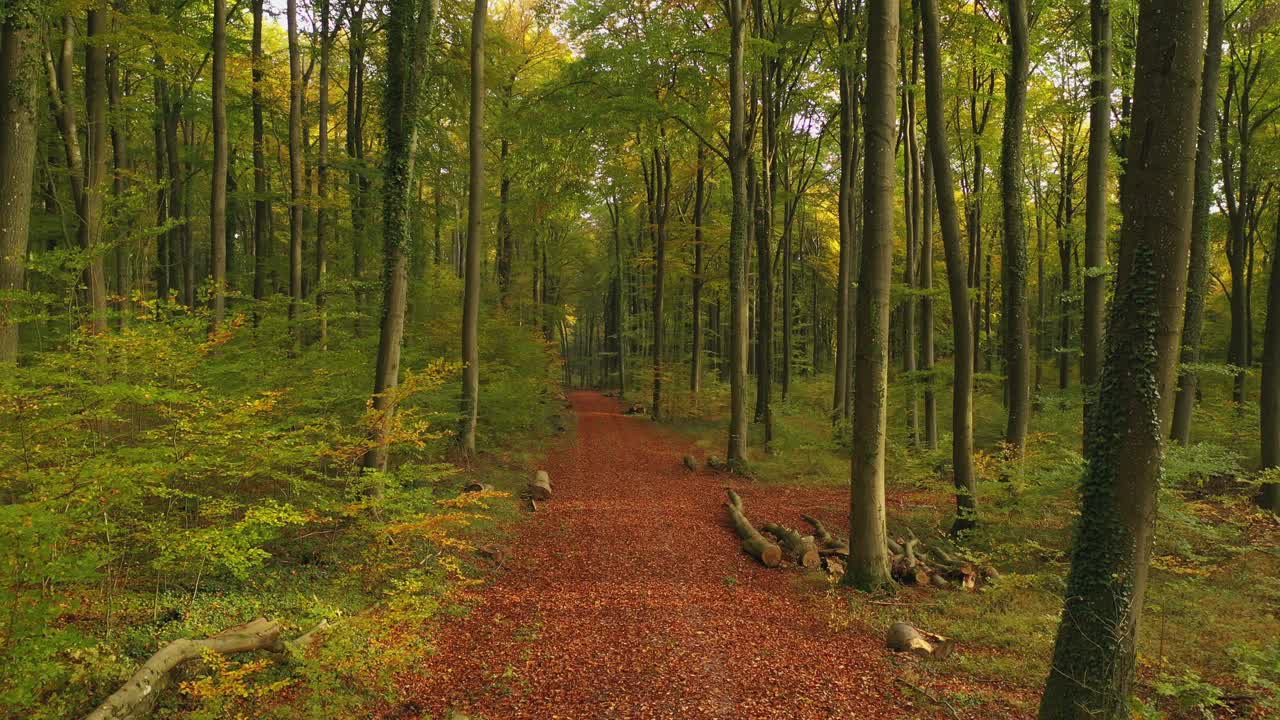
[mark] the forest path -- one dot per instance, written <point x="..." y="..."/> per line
<point x="627" y="596"/>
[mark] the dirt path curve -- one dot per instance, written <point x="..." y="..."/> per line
<point x="627" y="597"/>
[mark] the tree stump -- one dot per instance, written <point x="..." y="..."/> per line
<point x="540" y="486"/>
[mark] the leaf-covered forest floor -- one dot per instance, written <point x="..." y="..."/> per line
<point x="1209" y="645"/>
<point x="626" y="596"/>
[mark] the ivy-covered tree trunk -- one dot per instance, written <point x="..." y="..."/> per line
<point x="739" y="218"/>
<point x="868" y="566"/>
<point x="1014" y="261"/>
<point x="475" y="238"/>
<point x="408" y="39"/>
<point x="1094" y="657"/>
<point x="218" y="193"/>
<point x="1096" y="199"/>
<point x="957" y="276"/>
<point x="1198" y="271"/>
<point x="19" y="69"/>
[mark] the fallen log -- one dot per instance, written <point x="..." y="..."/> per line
<point x="830" y="544"/>
<point x="540" y="486"/>
<point x="136" y="698"/>
<point x="477" y="487"/>
<point x="904" y="638"/>
<point x="753" y="543"/>
<point x="797" y="548"/>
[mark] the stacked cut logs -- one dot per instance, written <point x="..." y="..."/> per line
<point x="911" y="561"/>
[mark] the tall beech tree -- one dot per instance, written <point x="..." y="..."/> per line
<point x="19" y="70"/>
<point x="868" y="567"/>
<point x="475" y="229"/>
<point x="261" y="203"/>
<point x="957" y="275"/>
<point x="738" y="151"/>
<point x="409" y="28"/>
<point x="1094" y="656"/>
<point x="218" y="184"/>
<point x="1014" y="270"/>
<point x="1269" y="393"/>
<point x="296" y="180"/>
<point x="1096" y="197"/>
<point x="847" y="60"/>
<point x="1198" y="271"/>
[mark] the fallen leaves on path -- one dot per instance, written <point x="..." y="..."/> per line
<point x="627" y="597"/>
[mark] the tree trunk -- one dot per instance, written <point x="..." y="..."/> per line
<point x="911" y="213"/>
<point x="1269" y="397"/>
<point x="357" y="179"/>
<point x="98" y="167"/>
<point x="475" y="238"/>
<point x="322" y="175"/>
<point x="295" y="175"/>
<point x="1198" y="272"/>
<point x="868" y="567"/>
<point x="1096" y="198"/>
<point x="1094" y="657"/>
<point x="120" y="169"/>
<point x="737" y="161"/>
<point x="218" y="195"/>
<point x="1014" y="262"/>
<point x="261" y="203"/>
<point x="699" y="206"/>
<point x="19" y="69"/>
<point x="846" y="24"/>
<point x="661" y="209"/>
<point x="504" y="258"/>
<point x="408" y="41"/>
<point x="957" y="278"/>
<point x="926" y="309"/>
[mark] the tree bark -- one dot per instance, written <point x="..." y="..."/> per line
<point x="661" y="210"/>
<point x="868" y="567"/>
<point x="261" y="203"/>
<point x="1269" y="397"/>
<point x="1096" y="198"/>
<point x="1014" y="260"/>
<point x="699" y="206"/>
<point x="475" y="238"/>
<point x="1094" y="657"/>
<point x="737" y="161"/>
<point x="322" y="174"/>
<point x="926" y="309"/>
<point x="957" y="277"/>
<point x="218" y="194"/>
<point x="408" y="40"/>
<point x="296" y="180"/>
<point x="19" y="69"/>
<point x="1198" y="272"/>
<point x="846" y="32"/>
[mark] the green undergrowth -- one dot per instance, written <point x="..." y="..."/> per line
<point x="159" y="484"/>
<point x="1210" y="638"/>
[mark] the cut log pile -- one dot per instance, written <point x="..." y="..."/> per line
<point x="911" y="561"/>
<point x="753" y="543"/>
